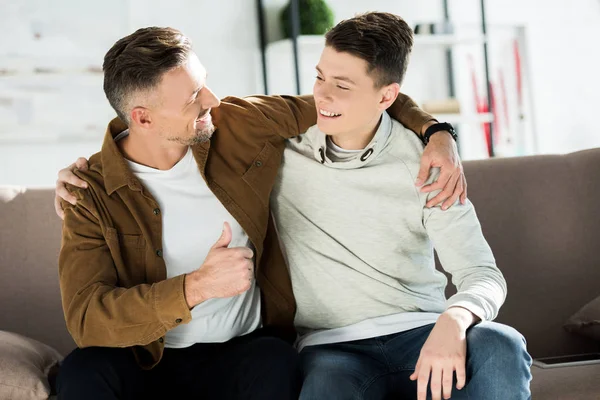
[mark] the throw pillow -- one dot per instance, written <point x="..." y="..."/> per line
<point x="586" y="321"/>
<point x="24" y="367"/>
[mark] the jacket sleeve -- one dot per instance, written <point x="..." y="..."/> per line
<point x="288" y="116"/>
<point x="291" y="116"/>
<point x="97" y="311"/>
<point x="408" y="113"/>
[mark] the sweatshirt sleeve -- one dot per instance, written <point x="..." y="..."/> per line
<point x="464" y="253"/>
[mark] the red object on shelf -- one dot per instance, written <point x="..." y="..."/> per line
<point x="481" y="107"/>
<point x="495" y="122"/>
<point x="504" y="100"/>
<point x="518" y="72"/>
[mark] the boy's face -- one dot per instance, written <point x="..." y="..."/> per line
<point x="347" y="100"/>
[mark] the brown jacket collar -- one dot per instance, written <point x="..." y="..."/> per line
<point x="115" y="170"/>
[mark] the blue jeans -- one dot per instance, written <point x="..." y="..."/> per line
<point x="498" y="366"/>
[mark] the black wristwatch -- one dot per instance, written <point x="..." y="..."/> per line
<point x="440" y="126"/>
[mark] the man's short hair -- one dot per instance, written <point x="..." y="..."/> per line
<point x="383" y="40"/>
<point x="137" y="62"/>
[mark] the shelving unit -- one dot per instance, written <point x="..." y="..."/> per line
<point x="419" y="40"/>
<point x="466" y="118"/>
<point x="448" y="40"/>
<point x="278" y="58"/>
<point x="434" y="39"/>
<point x="295" y="74"/>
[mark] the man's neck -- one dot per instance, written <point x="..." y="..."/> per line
<point x="357" y="140"/>
<point x="159" y="154"/>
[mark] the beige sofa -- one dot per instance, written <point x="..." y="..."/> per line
<point x="540" y="215"/>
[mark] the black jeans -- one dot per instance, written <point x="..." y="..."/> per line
<point x="255" y="366"/>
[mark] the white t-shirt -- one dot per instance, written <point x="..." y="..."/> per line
<point x="192" y="222"/>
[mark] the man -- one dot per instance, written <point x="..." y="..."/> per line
<point x="373" y="319"/>
<point x="155" y="303"/>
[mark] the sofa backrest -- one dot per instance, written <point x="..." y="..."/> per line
<point x="30" y="234"/>
<point x="538" y="214"/>
<point x="541" y="217"/>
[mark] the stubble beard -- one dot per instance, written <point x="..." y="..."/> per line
<point x="202" y="135"/>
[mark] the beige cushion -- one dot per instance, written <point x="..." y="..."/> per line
<point x="586" y="321"/>
<point x="24" y="367"/>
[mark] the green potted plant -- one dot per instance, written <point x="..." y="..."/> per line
<point x="315" y="18"/>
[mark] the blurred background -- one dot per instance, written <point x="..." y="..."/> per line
<point x="516" y="77"/>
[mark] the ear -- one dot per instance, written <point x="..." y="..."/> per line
<point x="141" y="116"/>
<point x="389" y="93"/>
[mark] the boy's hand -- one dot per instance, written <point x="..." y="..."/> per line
<point x="443" y="354"/>
<point x="65" y="176"/>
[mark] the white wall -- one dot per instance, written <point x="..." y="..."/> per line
<point x="47" y="120"/>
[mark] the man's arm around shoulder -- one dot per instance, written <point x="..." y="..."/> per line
<point x="290" y="116"/>
<point x="282" y="116"/>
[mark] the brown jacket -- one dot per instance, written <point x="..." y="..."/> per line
<point x="112" y="274"/>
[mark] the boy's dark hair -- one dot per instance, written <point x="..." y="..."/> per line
<point x="383" y="40"/>
<point x="138" y="61"/>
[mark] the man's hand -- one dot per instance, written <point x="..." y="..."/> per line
<point x="226" y="272"/>
<point x="444" y="353"/>
<point x="65" y="176"/>
<point x="441" y="151"/>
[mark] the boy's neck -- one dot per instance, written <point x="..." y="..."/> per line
<point x="357" y="140"/>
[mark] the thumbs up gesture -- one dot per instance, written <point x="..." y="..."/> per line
<point x="226" y="272"/>
<point x="225" y="238"/>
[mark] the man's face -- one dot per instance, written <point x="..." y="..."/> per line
<point x="182" y="107"/>
<point x="346" y="98"/>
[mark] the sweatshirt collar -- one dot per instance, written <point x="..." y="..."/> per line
<point x="370" y="152"/>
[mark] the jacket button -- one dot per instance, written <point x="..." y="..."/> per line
<point x="159" y="252"/>
<point x="178" y="320"/>
<point x="156" y="211"/>
<point x="258" y="163"/>
<point x="160" y="340"/>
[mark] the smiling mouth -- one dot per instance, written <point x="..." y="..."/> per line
<point x="328" y="114"/>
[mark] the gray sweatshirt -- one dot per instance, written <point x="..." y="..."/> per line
<point x="359" y="240"/>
